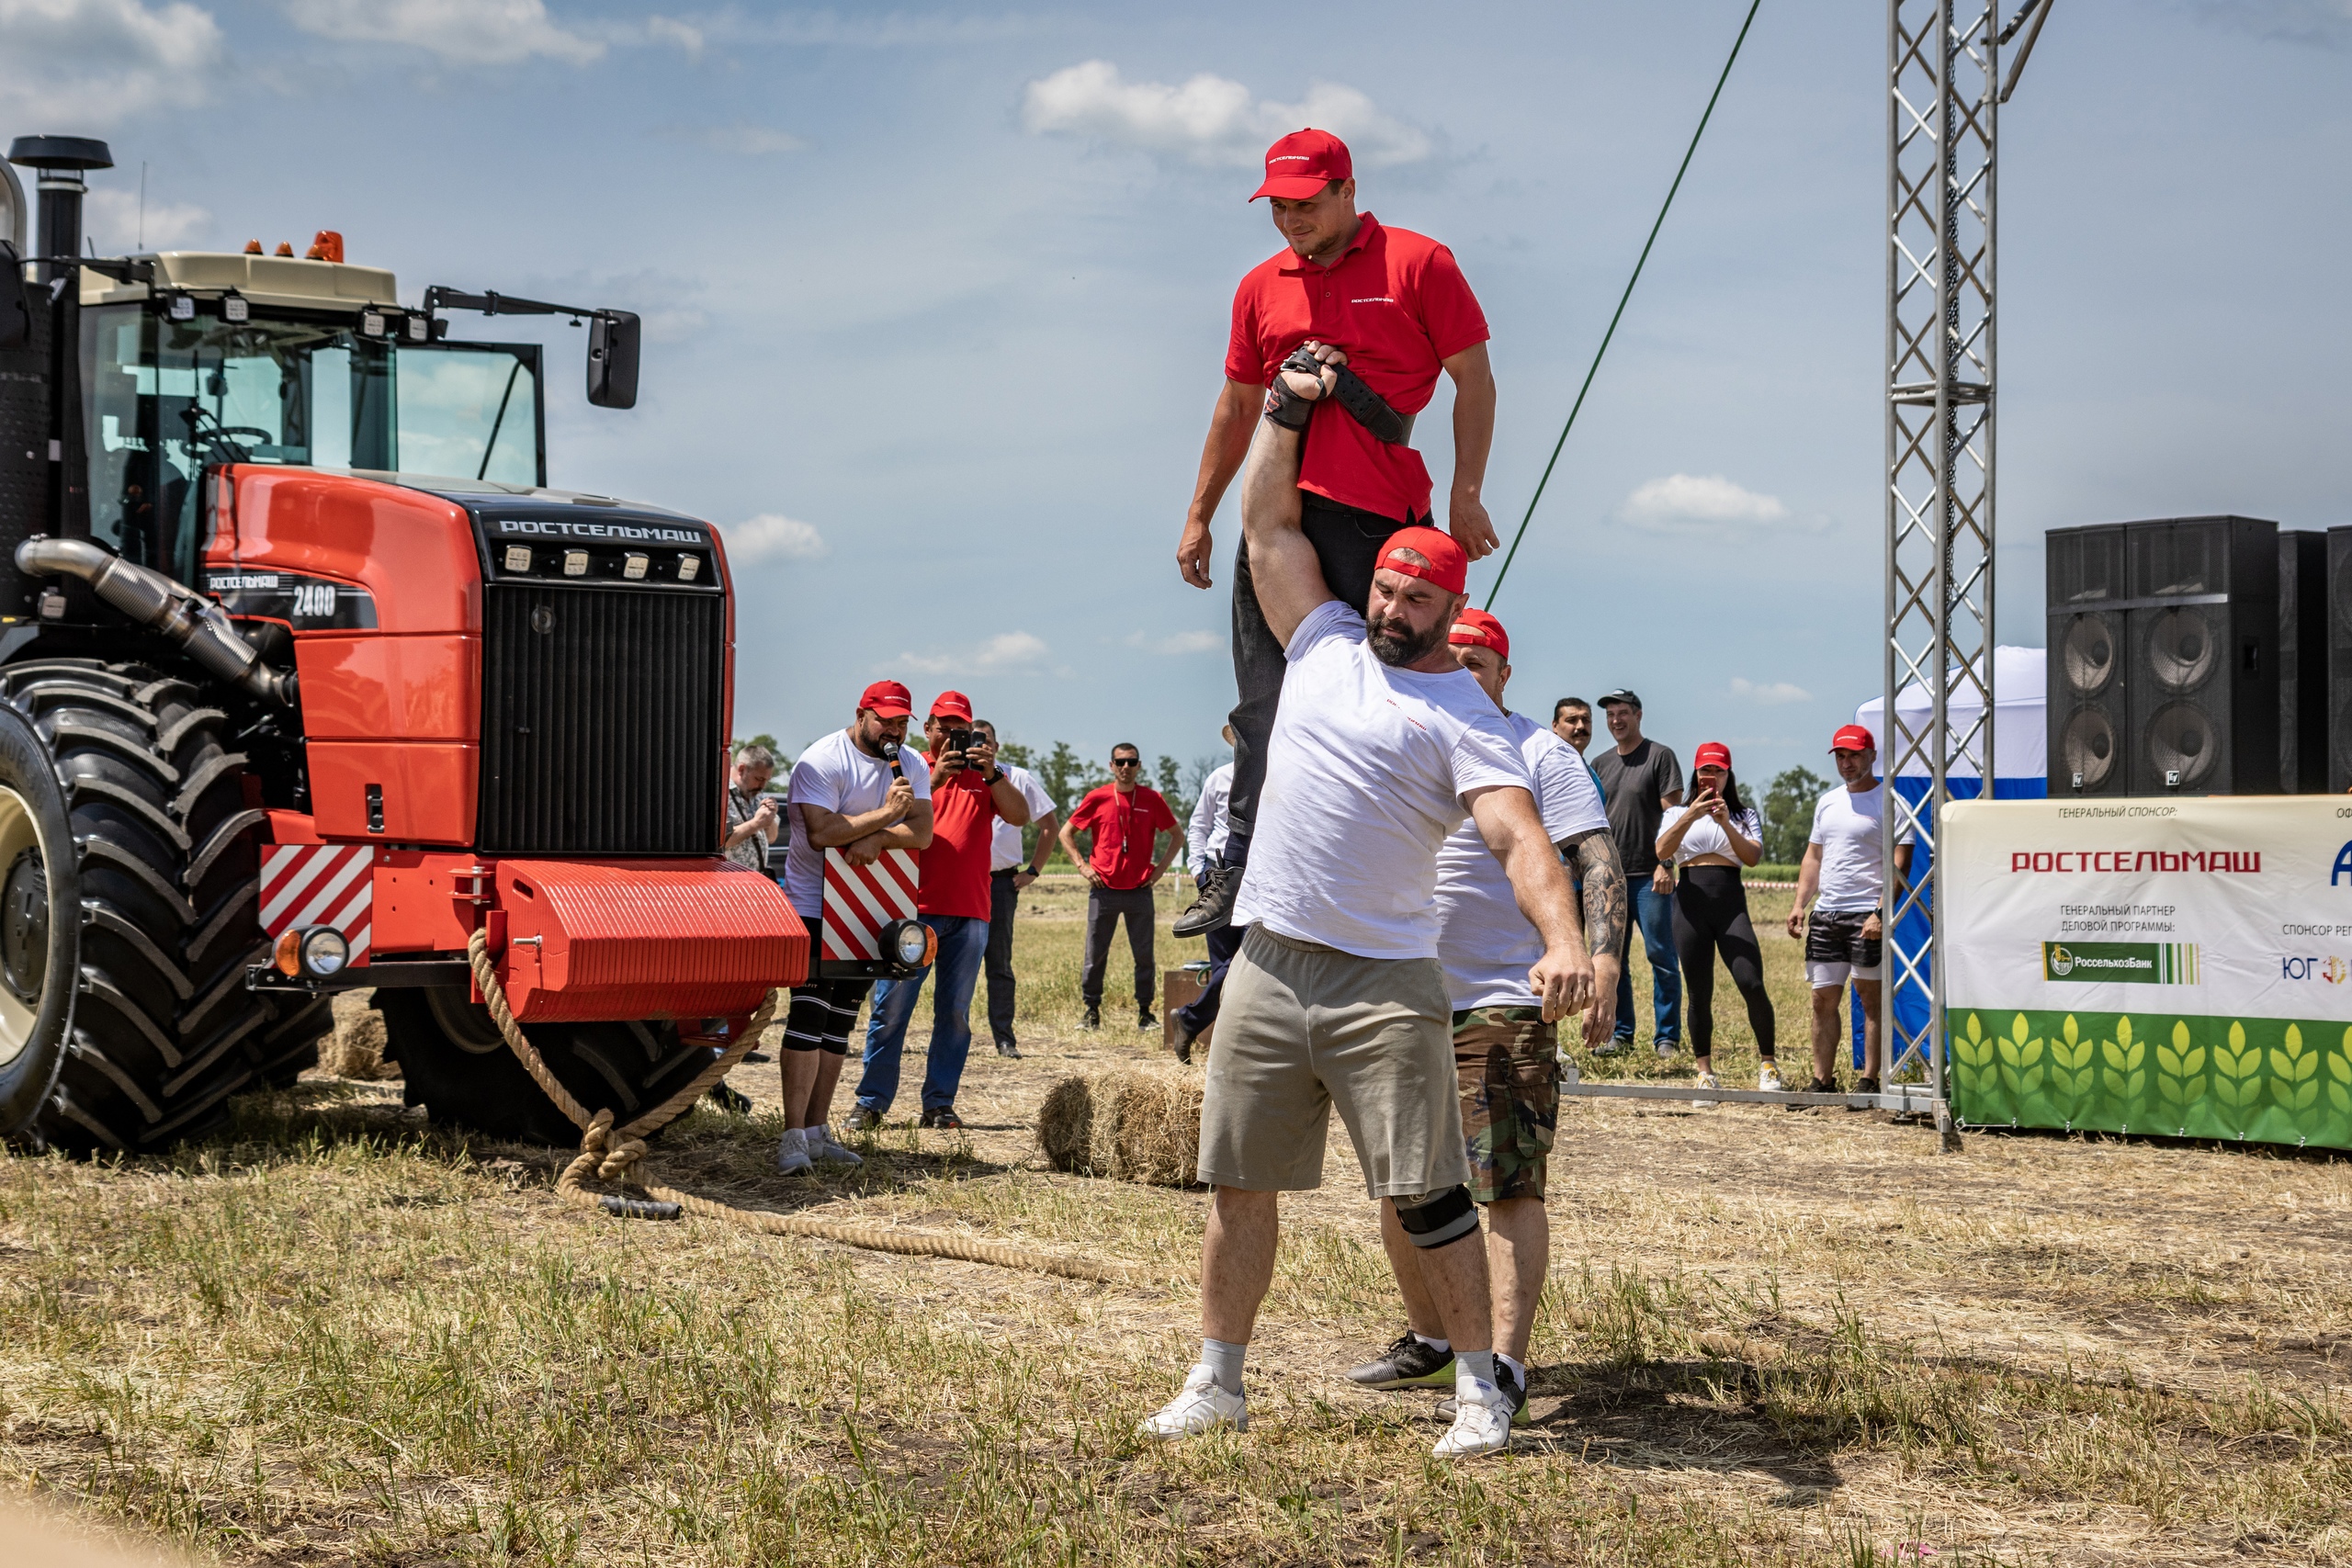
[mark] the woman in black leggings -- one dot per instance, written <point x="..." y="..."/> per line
<point x="1713" y="837"/>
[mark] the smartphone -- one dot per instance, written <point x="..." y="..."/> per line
<point x="962" y="739"/>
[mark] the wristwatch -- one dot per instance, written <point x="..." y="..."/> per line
<point x="991" y="779"/>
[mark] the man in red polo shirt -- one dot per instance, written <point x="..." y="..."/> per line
<point x="969" y="793"/>
<point x="1126" y="817"/>
<point x="1397" y="304"/>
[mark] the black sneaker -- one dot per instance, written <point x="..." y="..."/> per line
<point x="946" y="1121"/>
<point x="1818" y="1086"/>
<point x="1093" y="1019"/>
<point x="1508" y="1384"/>
<point x="1180" y="1042"/>
<point x="728" y="1098"/>
<point x="1007" y="1049"/>
<point x="863" y="1120"/>
<point x="1408" y="1363"/>
<point x="1212" y="910"/>
<point x="1144" y="1019"/>
<point x="1864" y="1085"/>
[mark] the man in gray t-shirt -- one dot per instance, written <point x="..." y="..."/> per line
<point x="1641" y="779"/>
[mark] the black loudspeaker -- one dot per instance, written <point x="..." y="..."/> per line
<point x="2163" y="658"/>
<point x="2339" y="660"/>
<point x="2302" y="662"/>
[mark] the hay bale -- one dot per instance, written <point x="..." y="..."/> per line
<point x="1129" y="1123"/>
<point x="356" y="1049"/>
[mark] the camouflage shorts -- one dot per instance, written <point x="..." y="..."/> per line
<point x="1509" y="1074"/>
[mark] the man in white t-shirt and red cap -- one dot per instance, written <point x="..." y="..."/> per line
<point x="1506" y="1054"/>
<point x="1843" y="880"/>
<point x="1382" y="746"/>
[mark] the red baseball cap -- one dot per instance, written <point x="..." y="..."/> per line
<point x="1476" y="628"/>
<point x="951" y="705"/>
<point x="887" y="699"/>
<point x="1302" y="164"/>
<point x="1853" y="737"/>
<point x="1448" y="567"/>
<point x="1713" y="754"/>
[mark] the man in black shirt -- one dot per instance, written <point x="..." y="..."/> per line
<point x="1641" y="779"/>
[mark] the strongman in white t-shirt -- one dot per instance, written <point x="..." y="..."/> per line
<point x="1382" y="745"/>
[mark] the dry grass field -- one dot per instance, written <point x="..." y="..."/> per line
<point x="339" y="1335"/>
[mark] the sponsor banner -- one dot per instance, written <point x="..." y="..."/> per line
<point x="2182" y="966"/>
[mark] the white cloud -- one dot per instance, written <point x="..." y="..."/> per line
<point x="113" y="219"/>
<point x="84" y="64"/>
<point x="464" y="32"/>
<point x="1771" y="694"/>
<point x="1183" y="642"/>
<point x="1685" y="501"/>
<point x="669" y="29"/>
<point x="2327" y="23"/>
<point x="772" y="536"/>
<point x="1211" y="120"/>
<point x="741" y="138"/>
<point x="1006" y="650"/>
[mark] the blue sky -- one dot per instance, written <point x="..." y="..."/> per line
<point x="936" y="297"/>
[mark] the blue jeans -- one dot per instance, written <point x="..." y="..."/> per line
<point x="1654" y="913"/>
<point x="963" y="943"/>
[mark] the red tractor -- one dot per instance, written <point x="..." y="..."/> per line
<point x="308" y="678"/>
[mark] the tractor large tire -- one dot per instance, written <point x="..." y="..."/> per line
<point x="455" y="1064"/>
<point x="166" y="902"/>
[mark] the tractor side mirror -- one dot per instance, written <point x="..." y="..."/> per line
<point x="612" y="359"/>
<point x="16" y="309"/>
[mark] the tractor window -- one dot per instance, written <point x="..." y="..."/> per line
<point x="471" y="410"/>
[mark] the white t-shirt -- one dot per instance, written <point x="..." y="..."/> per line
<point x="835" y="775"/>
<point x="1853" y="862"/>
<point x="1004" y="849"/>
<point x="1706" y="839"/>
<point x="1204" y="836"/>
<point x="1364" y="778"/>
<point x="1484" y="941"/>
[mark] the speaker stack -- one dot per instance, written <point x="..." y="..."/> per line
<point x="2163" y="675"/>
<point x="2302" y="662"/>
<point x="2339" y="660"/>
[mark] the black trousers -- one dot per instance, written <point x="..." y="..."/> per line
<point x="1347" y="540"/>
<point x="1004" y="900"/>
<point x="1711" y="915"/>
<point x="1105" y="907"/>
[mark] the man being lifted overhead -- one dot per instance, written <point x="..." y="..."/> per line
<point x="1395" y="304"/>
<point x="1382" y="745"/>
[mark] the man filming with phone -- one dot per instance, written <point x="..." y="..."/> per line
<point x="968" y="795"/>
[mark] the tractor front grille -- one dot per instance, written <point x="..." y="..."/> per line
<point x="601" y="721"/>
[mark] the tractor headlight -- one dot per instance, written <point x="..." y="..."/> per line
<point x="312" y="953"/>
<point x="633" y="566"/>
<point x="575" y="563"/>
<point x="689" y="568"/>
<point x="910" y="944"/>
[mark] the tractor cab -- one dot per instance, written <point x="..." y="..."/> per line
<point x="192" y="360"/>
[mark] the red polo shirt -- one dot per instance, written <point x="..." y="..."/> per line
<point x="1398" y="303"/>
<point x="954" y="869"/>
<point x="1122" y="826"/>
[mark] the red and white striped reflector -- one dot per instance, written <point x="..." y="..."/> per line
<point x="861" y="899"/>
<point x="319" y="885"/>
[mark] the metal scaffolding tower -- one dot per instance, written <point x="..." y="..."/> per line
<point x="1943" y="104"/>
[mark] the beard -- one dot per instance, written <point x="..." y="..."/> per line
<point x="1397" y="645"/>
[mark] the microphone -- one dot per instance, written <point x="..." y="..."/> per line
<point x="890" y="755"/>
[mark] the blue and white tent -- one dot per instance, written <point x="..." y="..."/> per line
<point x="2021" y="746"/>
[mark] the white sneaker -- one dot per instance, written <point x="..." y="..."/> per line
<point x="792" y="1152"/>
<point x="1481" y="1423"/>
<point x="825" y="1149"/>
<point x="1204" y="1406"/>
<point x="1769" y="1080"/>
<point x="1708" y="1081"/>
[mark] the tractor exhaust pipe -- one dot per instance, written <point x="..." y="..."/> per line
<point x="155" y="601"/>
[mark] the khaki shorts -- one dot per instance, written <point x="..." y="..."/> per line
<point x="1509" y="1063"/>
<point x="1305" y="1027"/>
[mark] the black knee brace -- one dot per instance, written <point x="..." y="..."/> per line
<point x="1435" y="1219"/>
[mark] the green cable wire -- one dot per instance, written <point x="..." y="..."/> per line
<point x="1621" y="299"/>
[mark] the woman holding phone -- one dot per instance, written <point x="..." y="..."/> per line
<point x="1707" y="842"/>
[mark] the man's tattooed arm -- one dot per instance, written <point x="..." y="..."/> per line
<point x="1592" y="860"/>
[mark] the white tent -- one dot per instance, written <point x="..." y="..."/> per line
<point x="2021" y="732"/>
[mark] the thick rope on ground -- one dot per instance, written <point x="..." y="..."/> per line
<point x="613" y="1154"/>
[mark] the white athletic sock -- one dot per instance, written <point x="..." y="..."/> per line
<point x="1224" y="1361"/>
<point x="1518" y="1368"/>
<point x="1441" y="1346"/>
<point x="1474" y="1375"/>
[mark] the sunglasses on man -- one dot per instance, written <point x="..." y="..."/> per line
<point x="1127" y="762"/>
